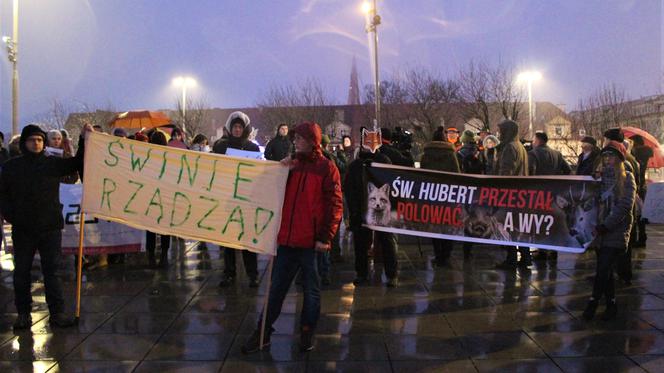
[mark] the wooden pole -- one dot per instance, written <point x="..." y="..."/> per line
<point x="79" y="266"/>
<point x="266" y="300"/>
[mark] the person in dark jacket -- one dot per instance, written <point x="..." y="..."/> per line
<point x="618" y="191"/>
<point x="543" y="161"/>
<point x="238" y="128"/>
<point x="356" y="196"/>
<point x="395" y="155"/>
<point x="4" y="152"/>
<point x="589" y="157"/>
<point x="310" y="218"/>
<point x="439" y="155"/>
<point x="347" y="148"/>
<point x="471" y="161"/>
<point x="512" y="160"/>
<point x="158" y="137"/>
<point x="280" y="146"/>
<point x="624" y="261"/>
<point x="642" y="153"/>
<point x="30" y="201"/>
<point x="490" y="143"/>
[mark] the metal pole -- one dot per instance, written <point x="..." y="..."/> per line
<point x="184" y="105"/>
<point x="79" y="265"/>
<point x="530" y="108"/>
<point x="374" y="24"/>
<point x="15" y="72"/>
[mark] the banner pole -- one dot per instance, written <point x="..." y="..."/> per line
<point x="267" y="297"/>
<point x="79" y="266"/>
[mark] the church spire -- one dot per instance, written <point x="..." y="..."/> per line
<point x="354" y="88"/>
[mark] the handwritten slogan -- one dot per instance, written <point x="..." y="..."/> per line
<point x="235" y="202"/>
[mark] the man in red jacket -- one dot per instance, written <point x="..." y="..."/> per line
<point x="309" y="220"/>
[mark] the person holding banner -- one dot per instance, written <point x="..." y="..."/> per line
<point x="512" y="160"/>
<point x="310" y="218"/>
<point x="158" y="137"/>
<point x="356" y="196"/>
<point x="618" y="190"/>
<point x="238" y="129"/>
<point x="440" y="155"/>
<point x="30" y="201"/>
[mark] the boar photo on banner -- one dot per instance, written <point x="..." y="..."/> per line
<point x="548" y="212"/>
<point x="229" y="201"/>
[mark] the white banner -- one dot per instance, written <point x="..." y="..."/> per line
<point x="101" y="236"/>
<point x="230" y="201"/>
<point x="653" y="208"/>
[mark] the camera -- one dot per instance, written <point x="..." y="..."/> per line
<point x="402" y="139"/>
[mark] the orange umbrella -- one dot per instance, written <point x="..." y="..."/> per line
<point x="650" y="141"/>
<point x="140" y="119"/>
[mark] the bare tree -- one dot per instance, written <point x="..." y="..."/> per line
<point x="475" y="94"/>
<point x="196" y="116"/>
<point x="56" y="116"/>
<point x="605" y="108"/>
<point x="306" y="101"/>
<point x="393" y="108"/>
<point x="92" y="114"/>
<point x="431" y="97"/>
<point x="505" y="92"/>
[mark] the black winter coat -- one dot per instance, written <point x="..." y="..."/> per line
<point x="543" y="160"/>
<point x="354" y="185"/>
<point x="278" y="148"/>
<point x="512" y="158"/>
<point x="588" y="166"/>
<point x="396" y="156"/>
<point x="471" y="159"/>
<point x="30" y="190"/>
<point x="222" y="145"/>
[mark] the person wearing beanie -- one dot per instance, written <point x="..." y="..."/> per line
<point x="30" y="201"/>
<point x="440" y="155"/>
<point x="617" y="191"/>
<point x="453" y="137"/>
<point x="280" y="146"/>
<point x="311" y="214"/>
<point x="588" y="159"/>
<point x="238" y="129"/>
<point x="467" y="137"/>
<point x="119" y="132"/>
<point x="471" y="161"/>
<point x="614" y="134"/>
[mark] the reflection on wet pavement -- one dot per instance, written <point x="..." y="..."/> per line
<point x="465" y="317"/>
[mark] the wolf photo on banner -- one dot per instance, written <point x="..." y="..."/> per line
<point x="552" y="212"/>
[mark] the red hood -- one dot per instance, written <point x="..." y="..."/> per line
<point x="312" y="132"/>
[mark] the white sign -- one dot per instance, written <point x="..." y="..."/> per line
<point x="653" y="208"/>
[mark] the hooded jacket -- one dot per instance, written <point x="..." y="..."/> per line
<point x="278" y="148"/>
<point x="542" y="160"/>
<point x="471" y="159"/>
<point x="616" y="214"/>
<point x="30" y="186"/>
<point x="355" y="184"/>
<point x="439" y="156"/>
<point x="512" y="158"/>
<point x="490" y="154"/>
<point x="240" y="143"/>
<point x="313" y="203"/>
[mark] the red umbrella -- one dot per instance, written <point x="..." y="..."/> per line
<point x="650" y="141"/>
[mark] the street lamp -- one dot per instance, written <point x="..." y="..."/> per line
<point x="372" y="22"/>
<point x="12" y="55"/>
<point x="184" y="82"/>
<point x="529" y="77"/>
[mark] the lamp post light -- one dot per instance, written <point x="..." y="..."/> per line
<point x="373" y="20"/>
<point x="184" y="82"/>
<point x="529" y="77"/>
<point x="12" y="55"/>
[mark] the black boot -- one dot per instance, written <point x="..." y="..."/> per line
<point x="23" y="321"/>
<point x="590" y="310"/>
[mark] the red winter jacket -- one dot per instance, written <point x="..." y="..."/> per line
<point x="312" y="205"/>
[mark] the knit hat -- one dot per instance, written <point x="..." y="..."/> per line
<point x="52" y="134"/>
<point x="119" y="132"/>
<point x="589" y="140"/>
<point x="324" y="140"/>
<point x="615" y="134"/>
<point x="30" y="130"/>
<point x="614" y="148"/>
<point x="468" y="137"/>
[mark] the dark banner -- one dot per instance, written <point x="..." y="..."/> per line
<point x="549" y="212"/>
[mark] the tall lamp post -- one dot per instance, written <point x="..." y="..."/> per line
<point x="528" y="77"/>
<point x="12" y="54"/>
<point x="373" y="20"/>
<point x="184" y="82"/>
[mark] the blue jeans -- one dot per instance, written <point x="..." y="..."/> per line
<point x="323" y="259"/>
<point x="288" y="261"/>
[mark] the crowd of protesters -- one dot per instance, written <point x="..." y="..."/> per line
<point x="36" y="162"/>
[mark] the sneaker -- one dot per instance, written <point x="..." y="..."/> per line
<point x="253" y="343"/>
<point x="307" y="340"/>
<point x="62" y="320"/>
<point x="253" y="282"/>
<point x="23" y="321"/>
<point x="393" y="282"/>
<point x="361" y="281"/>
<point x="226" y="281"/>
<point x="590" y="310"/>
<point x="610" y="312"/>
